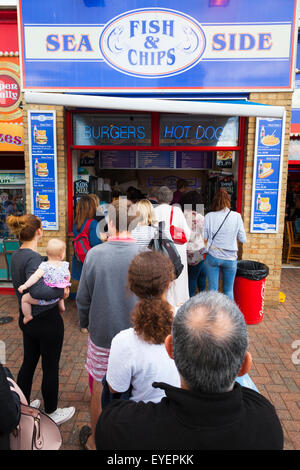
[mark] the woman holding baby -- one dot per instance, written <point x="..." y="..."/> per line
<point x="43" y="331"/>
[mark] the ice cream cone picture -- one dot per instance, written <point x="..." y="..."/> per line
<point x="42" y="170"/>
<point x="44" y="203"/>
<point x="265" y="169"/>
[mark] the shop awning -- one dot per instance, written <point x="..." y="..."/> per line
<point x="184" y="106"/>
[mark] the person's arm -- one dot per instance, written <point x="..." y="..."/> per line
<point x="241" y="235"/>
<point x="84" y="296"/>
<point x="39" y="290"/>
<point x="119" y="369"/>
<point x="94" y="236"/>
<point x="9" y="410"/>
<point x="35" y="277"/>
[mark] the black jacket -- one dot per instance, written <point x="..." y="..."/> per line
<point x="238" y="420"/>
<point x="9" y="410"/>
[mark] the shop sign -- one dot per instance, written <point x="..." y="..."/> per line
<point x="178" y="47"/>
<point x="111" y="129"/>
<point x="11" y="116"/>
<point x="43" y="167"/>
<point x="219" y="131"/>
<point x="12" y="178"/>
<point x="267" y="175"/>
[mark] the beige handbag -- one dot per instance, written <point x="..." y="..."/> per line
<point x="36" y="431"/>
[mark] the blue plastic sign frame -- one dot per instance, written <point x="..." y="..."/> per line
<point x="112" y="47"/>
<point x="267" y="175"/>
<point x="43" y="167"/>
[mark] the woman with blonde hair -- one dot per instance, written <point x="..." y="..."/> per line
<point x="145" y="229"/>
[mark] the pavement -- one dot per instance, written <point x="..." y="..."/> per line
<point x="274" y="345"/>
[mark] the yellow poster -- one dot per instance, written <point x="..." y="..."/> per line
<point x="11" y="116"/>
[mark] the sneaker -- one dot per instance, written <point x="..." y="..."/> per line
<point x="35" y="404"/>
<point x="61" y="415"/>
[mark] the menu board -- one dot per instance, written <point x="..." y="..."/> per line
<point x="267" y="175"/>
<point x="155" y="159"/>
<point x="43" y="167"/>
<point x="117" y="159"/>
<point x="194" y="160"/>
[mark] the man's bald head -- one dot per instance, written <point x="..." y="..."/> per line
<point x="210" y="341"/>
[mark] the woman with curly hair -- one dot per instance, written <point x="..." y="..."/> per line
<point x="138" y="356"/>
<point x="222" y="228"/>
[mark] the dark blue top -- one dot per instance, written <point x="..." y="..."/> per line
<point x="94" y="240"/>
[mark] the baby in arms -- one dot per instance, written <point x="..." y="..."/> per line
<point x="55" y="272"/>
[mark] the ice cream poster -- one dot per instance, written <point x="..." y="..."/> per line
<point x="267" y="175"/>
<point x="43" y="165"/>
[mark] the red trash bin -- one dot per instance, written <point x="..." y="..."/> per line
<point x="249" y="290"/>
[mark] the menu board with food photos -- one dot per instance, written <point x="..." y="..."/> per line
<point x="43" y="167"/>
<point x="267" y="175"/>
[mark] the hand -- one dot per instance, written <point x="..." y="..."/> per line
<point x="103" y="237"/>
<point x="66" y="292"/>
<point x="21" y="289"/>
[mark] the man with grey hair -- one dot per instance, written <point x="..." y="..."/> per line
<point x="211" y="410"/>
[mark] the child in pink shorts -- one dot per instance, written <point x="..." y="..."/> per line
<point x="55" y="273"/>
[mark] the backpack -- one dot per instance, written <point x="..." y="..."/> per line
<point x="35" y="431"/>
<point x="81" y="243"/>
<point x="168" y="248"/>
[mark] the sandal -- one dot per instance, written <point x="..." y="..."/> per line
<point x="84" y="434"/>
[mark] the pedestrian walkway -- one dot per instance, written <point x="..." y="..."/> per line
<point x="274" y="371"/>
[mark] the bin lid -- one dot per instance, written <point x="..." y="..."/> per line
<point x="253" y="270"/>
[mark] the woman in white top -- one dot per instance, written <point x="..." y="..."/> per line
<point x="145" y="230"/>
<point x="222" y="229"/>
<point x="138" y="356"/>
<point x="178" y="292"/>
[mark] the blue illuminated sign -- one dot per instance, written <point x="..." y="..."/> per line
<point x="111" y="129"/>
<point x="178" y="47"/>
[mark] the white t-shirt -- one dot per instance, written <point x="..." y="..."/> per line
<point x="134" y="362"/>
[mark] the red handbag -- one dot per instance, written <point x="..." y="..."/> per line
<point x="177" y="234"/>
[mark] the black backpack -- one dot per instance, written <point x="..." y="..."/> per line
<point x="168" y="248"/>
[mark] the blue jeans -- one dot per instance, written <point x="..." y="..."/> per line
<point x="213" y="266"/>
<point x="197" y="278"/>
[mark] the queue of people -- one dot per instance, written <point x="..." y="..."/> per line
<point x="165" y="357"/>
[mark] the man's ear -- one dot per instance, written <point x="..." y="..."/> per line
<point x="247" y="364"/>
<point x="169" y="346"/>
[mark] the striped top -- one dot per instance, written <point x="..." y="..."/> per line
<point x="143" y="235"/>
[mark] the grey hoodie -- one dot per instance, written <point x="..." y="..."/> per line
<point x="104" y="300"/>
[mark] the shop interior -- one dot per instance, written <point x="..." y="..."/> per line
<point x="103" y="172"/>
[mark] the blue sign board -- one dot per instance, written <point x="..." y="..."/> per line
<point x="177" y="47"/>
<point x="43" y="167"/>
<point x="267" y="175"/>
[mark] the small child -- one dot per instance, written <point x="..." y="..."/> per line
<point x="55" y="272"/>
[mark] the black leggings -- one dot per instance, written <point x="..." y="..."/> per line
<point x="42" y="337"/>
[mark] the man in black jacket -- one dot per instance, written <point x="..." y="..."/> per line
<point x="210" y="411"/>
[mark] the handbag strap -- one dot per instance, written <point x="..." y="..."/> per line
<point x="171" y="220"/>
<point x="219" y="229"/>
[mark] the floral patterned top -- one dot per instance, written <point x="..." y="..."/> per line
<point x="195" y="246"/>
<point x="56" y="274"/>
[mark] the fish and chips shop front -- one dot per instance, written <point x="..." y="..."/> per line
<point x="116" y="96"/>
